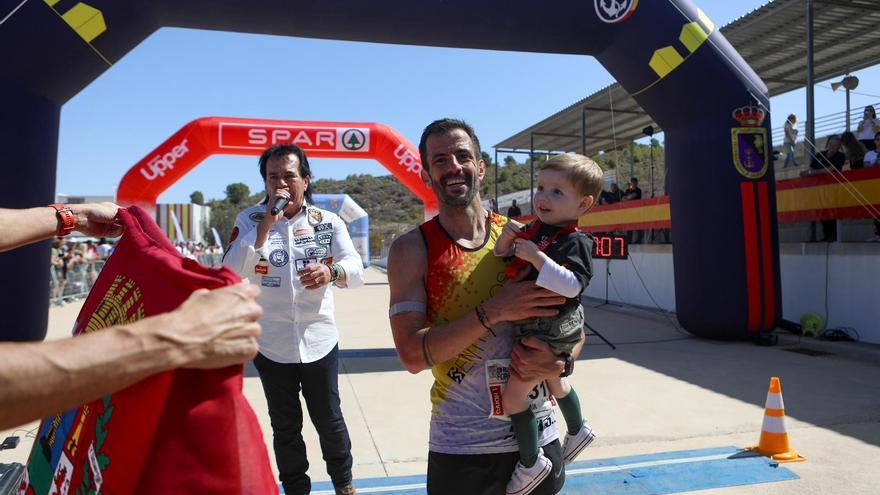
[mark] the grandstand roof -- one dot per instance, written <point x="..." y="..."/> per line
<point x="772" y="39"/>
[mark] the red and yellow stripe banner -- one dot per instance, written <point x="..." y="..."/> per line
<point x="818" y="197"/>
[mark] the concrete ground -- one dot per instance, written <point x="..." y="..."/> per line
<point x="660" y="391"/>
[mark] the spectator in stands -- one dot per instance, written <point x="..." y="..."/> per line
<point x="104" y="248"/>
<point x="211" y="329"/>
<point x="868" y="127"/>
<point x="67" y="265"/>
<point x="826" y="162"/>
<point x="611" y="196"/>
<point x="81" y="248"/>
<point x="853" y="149"/>
<point x="514" y="210"/>
<point x="789" y="140"/>
<point x="58" y="282"/>
<point x="633" y="192"/>
<point x="872" y="157"/>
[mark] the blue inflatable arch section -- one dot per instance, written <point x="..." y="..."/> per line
<point x="355" y="217"/>
<point x="667" y="54"/>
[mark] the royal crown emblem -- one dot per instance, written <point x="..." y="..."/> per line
<point x="749" y="116"/>
<point x="750" y="146"/>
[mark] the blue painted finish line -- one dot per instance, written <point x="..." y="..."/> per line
<point x="660" y="474"/>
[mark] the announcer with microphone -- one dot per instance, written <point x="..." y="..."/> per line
<point x="294" y="251"/>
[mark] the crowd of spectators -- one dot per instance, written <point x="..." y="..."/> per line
<point x="198" y="250"/>
<point x="76" y="263"/>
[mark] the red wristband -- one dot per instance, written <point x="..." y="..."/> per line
<point x="68" y="219"/>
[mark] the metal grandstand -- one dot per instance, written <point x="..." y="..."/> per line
<point x="772" y="39"/>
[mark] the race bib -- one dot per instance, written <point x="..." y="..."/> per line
<point x="497" y="375"/>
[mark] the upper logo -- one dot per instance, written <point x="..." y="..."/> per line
<point x="159" y="164"/>
<point x="615" y="11"/>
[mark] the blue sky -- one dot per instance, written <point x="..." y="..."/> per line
<point x="178" y="75"/>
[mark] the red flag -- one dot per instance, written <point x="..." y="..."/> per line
<point x="182" y="431"/>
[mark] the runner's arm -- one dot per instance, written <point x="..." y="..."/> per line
<point x="211" y="329"/>
<point x="20" y="227"/>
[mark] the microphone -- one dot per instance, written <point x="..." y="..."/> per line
<point x="280" y="203"/>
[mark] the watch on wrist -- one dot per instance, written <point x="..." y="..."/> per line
<point x="569" y="365"/>
<point x="334" y="272"/>
<point x="67" y="218"/>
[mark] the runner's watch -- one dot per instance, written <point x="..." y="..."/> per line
<point x="68" y="219"/>
<point x="569" y="365"/>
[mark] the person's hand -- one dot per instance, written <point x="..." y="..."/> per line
<point x="518" y="300"/>
<point x="97" y="219"/>
<point x="217" y="328"/>
<point x="527" y="250"/>
<point x="314" y="276"/>
<point x="532" y="360"/>
<point x="511" y="228"/>
<point x="504" y="245"/>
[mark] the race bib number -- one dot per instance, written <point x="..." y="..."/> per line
<point x="497" y="375"/>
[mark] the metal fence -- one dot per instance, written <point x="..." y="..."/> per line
<point x="76" y="282"/>
<point x="833" y="123"/>
<point x="212" y="260"/>
<point x="73" y="283"/>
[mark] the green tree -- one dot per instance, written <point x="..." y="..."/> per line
<point x="197" y="198"/>
<point x="237" y="193"/>
<point x="223" y="216"/>
<point x="510" y="161"/>
<point x="486" y="158"/>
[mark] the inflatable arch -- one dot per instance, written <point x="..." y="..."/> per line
<point x="668" y="55"/>
<point x="357" y="220"/>
<point x="201" y="138"/>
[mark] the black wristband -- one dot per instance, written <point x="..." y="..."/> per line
<point x="481" y="315"/>
<point x="426" y="353"/>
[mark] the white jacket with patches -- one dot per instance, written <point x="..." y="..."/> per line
<point x="298" y="324"/>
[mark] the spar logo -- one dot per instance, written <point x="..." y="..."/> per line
<point x="353" y="139"/>
<point x="235" y="135"/>
<point x="614" y="11"/>
<point x="157" y="165"/>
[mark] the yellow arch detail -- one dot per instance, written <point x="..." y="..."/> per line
<point x="665" y="60"/>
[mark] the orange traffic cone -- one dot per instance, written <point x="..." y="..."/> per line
<point x="774" y="437"/>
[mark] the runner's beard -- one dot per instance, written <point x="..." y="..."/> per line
<point x="471" y="182"/>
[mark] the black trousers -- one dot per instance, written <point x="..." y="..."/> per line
<point x="319" y="383"/>
<point x="487" y="474"/>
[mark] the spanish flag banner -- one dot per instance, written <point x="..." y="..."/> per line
<point x="182" y="431"/>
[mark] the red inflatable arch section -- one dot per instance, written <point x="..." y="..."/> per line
<point x="201" y="138"/>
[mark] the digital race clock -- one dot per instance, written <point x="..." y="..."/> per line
<point x="610" y="247"/>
